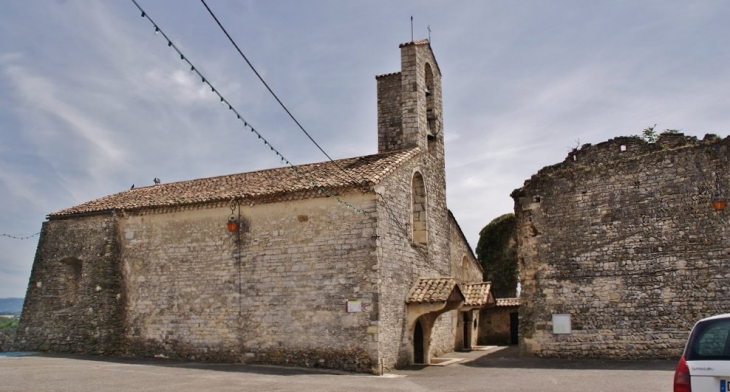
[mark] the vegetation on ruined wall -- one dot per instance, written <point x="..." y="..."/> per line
<point x="497" y="253"/>
<point x="650" y="135"/>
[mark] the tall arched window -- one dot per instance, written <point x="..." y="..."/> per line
<point x="418" y="209"/>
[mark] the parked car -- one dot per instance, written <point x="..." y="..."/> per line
<point x="705" y="363"/>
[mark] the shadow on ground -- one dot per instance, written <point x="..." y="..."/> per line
<point x="508" y="357"/>
<point x="221" y="367"/>
<point x="499" y="357"/>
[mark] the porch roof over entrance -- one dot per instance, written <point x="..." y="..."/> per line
<point x="430" y="290"/>
<point x="478" y="294"/>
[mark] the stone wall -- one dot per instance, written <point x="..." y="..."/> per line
<point x="495" y="325"/>
<point x="406" y="259"/>
<point x="75" y="297"/>
<point x="275" y="292"/>
<point x="7" y="336"/>
<point x="622" y="237"/>
<point x="465" y="267"/>
<point x="285" y="303"/>
<point x="402" y="262"/>
<point x="390" y="133"/>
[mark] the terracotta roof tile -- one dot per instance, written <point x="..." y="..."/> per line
<point x="359" y="171"/>
<point x="416" y="42"/>
<point x="477" y="294"/>
<point x="508" y="302"/>
<point x="386" y="74"/>
<point x="432" y="290"/>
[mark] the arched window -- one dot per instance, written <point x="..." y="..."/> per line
<point x="69" y="280"/>
<point x="418" y="209"/>
<point x="432" y="126"/>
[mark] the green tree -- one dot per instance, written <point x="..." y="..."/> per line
<point x="497" y="253"/>
<point x="650" y="135"/>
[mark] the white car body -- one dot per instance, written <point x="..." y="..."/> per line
<point x="707" y="356"/>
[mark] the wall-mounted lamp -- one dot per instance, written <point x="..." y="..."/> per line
<point x="719" y="202"/>
<point x="232" y="224"/>
<point x="718" y="199"/>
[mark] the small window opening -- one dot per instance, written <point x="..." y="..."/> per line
<point x="418" y="209"/>
<point x="431" y="121"/>
<point x="575" y="158"/>
<point x="536" y="199"/>
<point x="623" y="147"/>
<point x="431" y="144"/>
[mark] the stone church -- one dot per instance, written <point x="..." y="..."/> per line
<point x="354" y="264"/>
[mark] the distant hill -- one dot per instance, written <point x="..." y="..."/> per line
<point x="11" y="305"/>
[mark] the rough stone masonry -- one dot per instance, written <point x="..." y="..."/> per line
<point x="621" y="242"/>
<point x="304" y="279"/>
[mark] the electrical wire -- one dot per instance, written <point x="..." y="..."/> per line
<point x="271" y="91"/>
<point x="19" y="237"/>
<point x="246" y="124"/>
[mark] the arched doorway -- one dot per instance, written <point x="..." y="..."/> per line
<point x="418" y="343"/>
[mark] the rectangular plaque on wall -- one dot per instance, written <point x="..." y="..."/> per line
<point x="561" y="324"/>
<point x="354" y="305"/>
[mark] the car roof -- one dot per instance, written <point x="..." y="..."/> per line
<point x="715" y="317"/>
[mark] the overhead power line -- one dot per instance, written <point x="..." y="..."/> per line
<point x="384" y="203"/>
<point x="19" y="237"/>
<point x="271" y="91"/>
<point x="240" y="117"/>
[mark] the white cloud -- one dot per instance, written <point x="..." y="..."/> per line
<point x="91" y="100"/>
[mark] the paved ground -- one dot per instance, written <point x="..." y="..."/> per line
<point x="500" y="370"/>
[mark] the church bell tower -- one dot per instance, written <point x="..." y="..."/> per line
<point x="410" y="108"/>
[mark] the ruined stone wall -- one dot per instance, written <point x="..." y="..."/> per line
<point x="622" y="237"/>
<point x="7" y="336"/>
<point x="285" y="303"/>
<point x="75" y="297"/>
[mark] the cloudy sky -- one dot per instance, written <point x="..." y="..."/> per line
<point x="93" y="101"/>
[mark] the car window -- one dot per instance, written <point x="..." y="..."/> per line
<point x="710" y="341"/>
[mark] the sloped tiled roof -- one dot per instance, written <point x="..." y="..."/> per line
<point x="416" y="42"/>
<point x="508" y="302"/>
<point x="268" y="184"/>
<point x="432" y="290"/>
<point x="477" y="294"/>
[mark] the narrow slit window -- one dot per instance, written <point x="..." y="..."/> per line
<point x="418" y="209"/>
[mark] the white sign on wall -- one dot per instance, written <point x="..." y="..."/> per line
<point x="354" y="305"/>
<point x="561" y="324"/>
